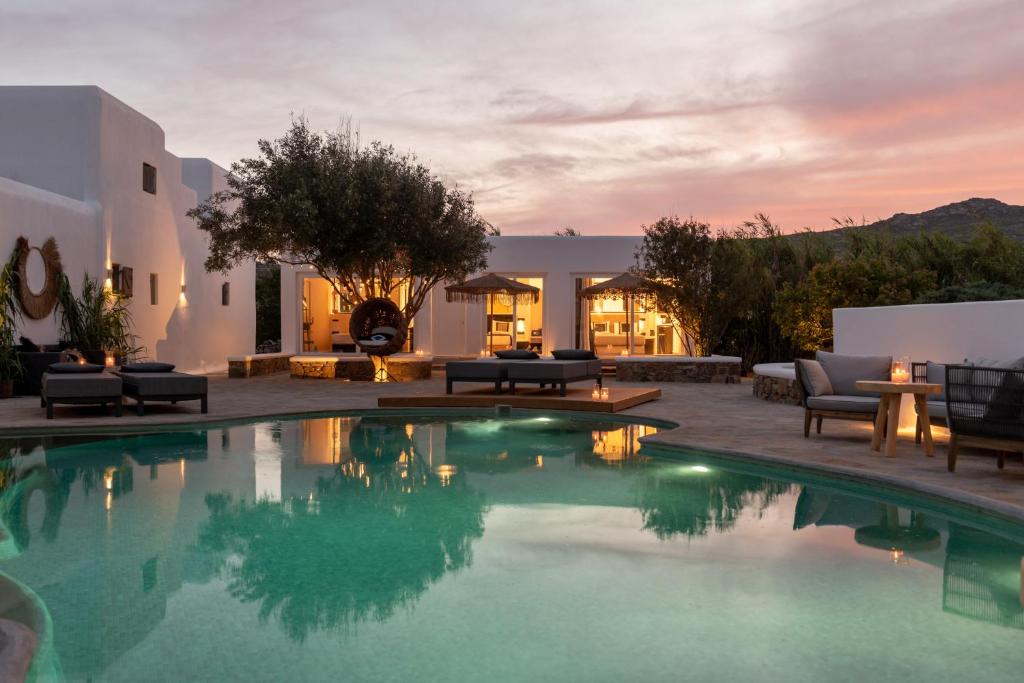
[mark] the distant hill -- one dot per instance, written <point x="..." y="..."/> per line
<point x="956" y="220"/>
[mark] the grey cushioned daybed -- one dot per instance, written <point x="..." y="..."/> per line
<point x="158" y="382"/>
<point x="488" y="370"/>
<point x="76" y="384"/>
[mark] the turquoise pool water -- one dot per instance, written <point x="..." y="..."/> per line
<point x="525" y="548"/>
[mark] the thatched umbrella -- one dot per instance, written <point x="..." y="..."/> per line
<point x="486" y="287"/>
<point x="628" y="286"/>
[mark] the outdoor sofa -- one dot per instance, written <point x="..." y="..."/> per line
<point x="526" y="367"/>
<point x="79" y="384"/>
<point x="982" y="405"/>
<point x="158" y="382"/>
<point x="828" y="387"/>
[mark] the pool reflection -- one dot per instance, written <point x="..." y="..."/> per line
<point x="323" y="525"/>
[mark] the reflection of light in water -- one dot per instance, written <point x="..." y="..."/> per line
<point x="898" y="557"/>
<point x="445" y="473"/>
<point x="620" y="445"/>
<point x="181" y="468"/>
<point x="108" y="480"/>
<point x="109" y="503"/>
<point x="544" y="419"/>
<point x="699" y="468"/>
<point x="540" y="461"/>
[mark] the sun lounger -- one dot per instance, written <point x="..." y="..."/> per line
<point x="77" y="384"/>
<point x="158" y="382"/>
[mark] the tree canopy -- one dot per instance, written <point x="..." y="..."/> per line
<point x="371" y="221"/>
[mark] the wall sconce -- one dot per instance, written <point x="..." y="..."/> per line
<point x="181" y="296"/>
<point x="520" y="326"/>
<point x="108" y="283"/>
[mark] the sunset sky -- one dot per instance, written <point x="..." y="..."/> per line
<point x="598" y="115"/>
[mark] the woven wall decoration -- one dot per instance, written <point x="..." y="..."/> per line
<point x="38" y="305"/>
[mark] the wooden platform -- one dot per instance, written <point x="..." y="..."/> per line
<point x="546" y="399"/>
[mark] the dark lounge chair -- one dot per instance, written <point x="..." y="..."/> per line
<point x="158" y="382"/>
<point x="79" y="384"/>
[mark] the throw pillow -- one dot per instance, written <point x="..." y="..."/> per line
<point x="517" y="354"/>
<point x="73" y="368"/>
<point x="148" y="367"/>
<point x="574" y="354"/>
<point x="814" y="378"/>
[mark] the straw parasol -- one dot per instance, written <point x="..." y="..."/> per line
<point x="628" y="286"/>
<point x="486" y="288"/>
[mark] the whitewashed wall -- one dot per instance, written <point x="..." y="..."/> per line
<point x="71" y="165"/>
<point x="943" y="333"/>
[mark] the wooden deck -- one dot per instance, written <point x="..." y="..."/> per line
<point x="620" y="398"/>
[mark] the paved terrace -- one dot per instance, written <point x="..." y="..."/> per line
<point x="722" y="418"/>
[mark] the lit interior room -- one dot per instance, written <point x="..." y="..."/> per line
<point x="520" y="325"/>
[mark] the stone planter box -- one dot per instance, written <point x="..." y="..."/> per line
<point x="776" y="382"/>
<point x="709" y="369"/>
<point x="257" y="364"/>
<point x="359" y="368"/>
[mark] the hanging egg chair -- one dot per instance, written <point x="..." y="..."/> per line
<point x="377" y="327"/>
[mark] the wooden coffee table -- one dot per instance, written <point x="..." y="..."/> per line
<point x="889" y="412"/>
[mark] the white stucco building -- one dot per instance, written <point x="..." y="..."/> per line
<point x="312" y="321"/>
<point x="78" y="165"/>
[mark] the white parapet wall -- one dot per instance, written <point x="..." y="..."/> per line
<point x="945" y="333"/>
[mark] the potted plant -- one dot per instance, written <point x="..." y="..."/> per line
<point x="96" y="322"/>
<point x="10" y="367"/>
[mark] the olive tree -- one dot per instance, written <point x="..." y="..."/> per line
<point x="371" y="221"/>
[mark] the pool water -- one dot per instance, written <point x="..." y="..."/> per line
<point x="526" y="548"/>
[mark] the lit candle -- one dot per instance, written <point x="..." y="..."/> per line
<point x="596" y="394"/>
<point x="604" y="394"/>
<point x="483" y="353"/>
<point x="110" y="360"/>
<point x="624" y="352"/>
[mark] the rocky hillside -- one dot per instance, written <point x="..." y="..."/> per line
<point x="956" y="220"/>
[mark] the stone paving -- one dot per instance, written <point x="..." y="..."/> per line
<point x="723" y="418"/>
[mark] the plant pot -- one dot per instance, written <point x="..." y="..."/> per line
<point x="6" y="388"/>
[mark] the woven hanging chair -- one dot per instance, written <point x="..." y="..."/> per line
<point x="377" y="327"/>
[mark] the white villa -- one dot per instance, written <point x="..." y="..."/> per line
<point x="80" y="166"/>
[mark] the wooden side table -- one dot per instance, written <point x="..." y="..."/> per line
<point x="889" y="412"/>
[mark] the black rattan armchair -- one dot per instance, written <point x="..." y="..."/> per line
<point x="985" y="409"/>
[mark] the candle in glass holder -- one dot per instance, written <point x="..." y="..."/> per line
<point x="109" y="360"/>
<point x="901" y="371"/>
<point x="604" y="393"/>
<point x="596" y="393"/>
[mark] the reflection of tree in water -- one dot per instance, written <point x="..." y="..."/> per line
<point x="693" y="500"/>
<point x="370" y="540"/>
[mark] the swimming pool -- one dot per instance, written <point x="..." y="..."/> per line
<point x="528" y="547"/>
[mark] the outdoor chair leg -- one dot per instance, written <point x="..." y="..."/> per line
<point x="140" y="409"/>
<point x="511" y="387"/>
<point x="118" y="408"/>
<point x="203" y="405"/>
<point x="448" y="386"/>
<point x="42" y="401"/>
<point x="807" y="424"/>
<point x="818" y="426"/>
<point x="49" y="410"/>
<point x="561" y="390"/>
<point x="954" y="451"/>
<point x="1001" y="459"/>
<point x="917" y="430"/>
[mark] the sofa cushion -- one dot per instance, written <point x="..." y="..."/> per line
<point x="813" y="378"/>
<point x="92" y="385"/>
<point x="935" y="373"/>
<point x="74" y="368"/>
<point x="844" y="404"/>
<point x="1007" y="400"/>
<point x="484" y="368"/>
<point x="554" y="370"/>
<point x="517" y="354"/>
<point x="845" y="371"/>
<point x="573" y="354"/>
<point x="145" y="384"/>
<point x="148" y="367"/>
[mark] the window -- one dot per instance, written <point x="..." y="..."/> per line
<point x="225" y="294"/>
<point x="149" y="178"/>
<point x="154" y="289"/>
<point x="121" y="280"/>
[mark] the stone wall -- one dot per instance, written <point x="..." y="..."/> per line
<point x="725" y="372"/>
<point x="256" y="365"/>
<point x="776" y="389"/>
<point x="358" y="369"/>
